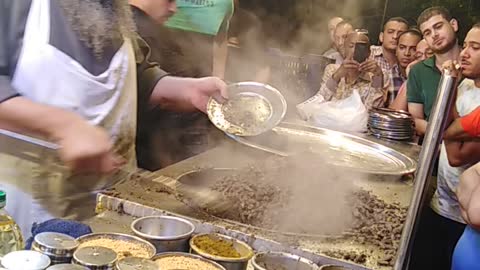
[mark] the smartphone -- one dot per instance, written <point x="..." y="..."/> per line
<point x="361" y="52"/>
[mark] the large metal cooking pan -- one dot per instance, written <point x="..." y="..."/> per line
<point x="338" y="148"/>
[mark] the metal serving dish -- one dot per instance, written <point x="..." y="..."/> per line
<point x="252" y="108"/>
<point x="338" y="148"/>
<point x="280" y="260"/>
<point x="166" y="233"/>
<point x="146" y="246"/>
<point x="241" y="263"/>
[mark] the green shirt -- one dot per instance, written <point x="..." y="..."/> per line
<point x="422" y="84"/>
<point x="202" y="16"/>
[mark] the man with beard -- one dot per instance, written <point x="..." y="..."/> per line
<point x="385" y="55"/>
<point x="441" y="224"/>
<point x="333" y="53"/>
<point x="463" y="149"/>
<point x="439" y="30"/>
<point x="68" y="73"/>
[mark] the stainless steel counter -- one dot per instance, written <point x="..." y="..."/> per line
<point x="147" y="197"/>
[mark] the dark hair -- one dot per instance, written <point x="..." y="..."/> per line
<point x="476" y="25"/>
<point x="434" y="11"/>
<point x="396" y="19"/>
<point x="412" y="31"/>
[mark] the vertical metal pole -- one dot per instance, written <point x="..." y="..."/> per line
<point x="384" y="17"/>
<point x="428" y="154"/>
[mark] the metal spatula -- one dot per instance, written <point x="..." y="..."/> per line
<point x="27" y="149"/>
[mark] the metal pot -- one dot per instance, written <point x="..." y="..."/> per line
<point x="59" y="247"/>
<point x="241" y="263"/>
<point x="67" y="266"/>
<point x="187" y="255"/>
<point x="95" y="258"/>
<point x="166" y="233"/>
<point x="280" y="260"/>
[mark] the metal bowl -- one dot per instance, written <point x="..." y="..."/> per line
<point x="241" y="263"/>
<point x="67" y="266"/>
<point x="260" y="107"/>
<point x="166" y="233"/>
<point x="191" y="256"/>
<point x="334" y="267"/>
<point x="280" y="260"/>
<point x="145" y="245"/>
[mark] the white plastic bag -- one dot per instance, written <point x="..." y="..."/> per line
<point x="307" y="108"/>
<point x="348" y="114"/>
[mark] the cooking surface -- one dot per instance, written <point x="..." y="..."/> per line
<point x="141" y="197"/>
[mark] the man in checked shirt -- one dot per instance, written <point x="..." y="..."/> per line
<point x="385" y="55"/>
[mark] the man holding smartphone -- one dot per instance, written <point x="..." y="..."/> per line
<point x="357" y="72"/>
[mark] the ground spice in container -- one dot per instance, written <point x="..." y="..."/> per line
<point x="121" y="247"/>
<point x="216" y="246"/>
<point x="184" y="263"/>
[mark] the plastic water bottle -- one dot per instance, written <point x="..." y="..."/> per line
<point x="10" y="234"/>
<point x="467" y="252"/>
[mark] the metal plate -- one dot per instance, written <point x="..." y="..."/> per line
<point x="252" y="108"/>
<point x="341" y="149"/>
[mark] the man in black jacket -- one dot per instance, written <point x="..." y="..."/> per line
<point x="166" y="137"/>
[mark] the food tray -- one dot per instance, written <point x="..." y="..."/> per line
<point x="340" y="149"/>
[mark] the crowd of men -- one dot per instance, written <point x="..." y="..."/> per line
<point x="403" y="73"/>
<point x="79" y="72"/>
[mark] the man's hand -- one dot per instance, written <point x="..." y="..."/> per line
<point x="453" y="68"/>
<point x="204" y="88"/>
<point x="188" y="94"/>
<point x="371" y="66"/>
<point x="346" y="66"/>
<point x="86" y="148"/>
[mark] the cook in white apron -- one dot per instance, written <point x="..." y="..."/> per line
<point x="46" y="75"/>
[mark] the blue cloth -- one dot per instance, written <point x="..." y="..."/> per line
<point x="467" y="252"/>
<point x="68" y="227"/>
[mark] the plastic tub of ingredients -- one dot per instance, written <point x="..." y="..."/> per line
<point x="184" y="261"/>
<point x="166" y="233"/>
<point x="281" y="261"/>
<point x="123" y="244"/>
<point x="231" y="253"/>
<point x="25" y="260"/>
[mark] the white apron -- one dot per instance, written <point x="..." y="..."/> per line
<point x="44" y="74"/>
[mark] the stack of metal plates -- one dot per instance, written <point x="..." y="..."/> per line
<point x="391" y="124"/>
